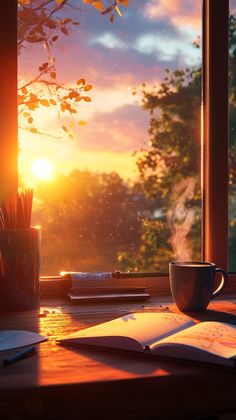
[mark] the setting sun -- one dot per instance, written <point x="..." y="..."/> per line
<point x="42" y="169"/>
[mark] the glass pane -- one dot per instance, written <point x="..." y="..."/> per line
<point x="109" y="131"/>
<point x="232" y="137"/>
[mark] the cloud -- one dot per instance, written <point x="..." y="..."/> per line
<point x="169" y="50"/>
<point x="232" y="6"/>
<point x="179" y="12"/>
<point x="105" y="67"/>
<point x="134" y="49"/>
<point x="149" y="48"/>
<point x="122" y="130"/>
<point x="109" y="40"/>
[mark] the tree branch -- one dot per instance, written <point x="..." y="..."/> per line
<point x="31" y="82"/>
<point x="42" y="5"/>
<point x="58" y="7"/>
<point x="41" y="133"/>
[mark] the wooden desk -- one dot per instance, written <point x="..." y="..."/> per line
<point x="62" y="382"/>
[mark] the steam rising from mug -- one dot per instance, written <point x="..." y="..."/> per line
<point x="181" y="219"/>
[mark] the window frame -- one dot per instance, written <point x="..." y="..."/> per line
<point x="8" y="100"/>
<point x="214" y="170"/>
<point x="215" y="132"/>
<point x="215" y="136"/>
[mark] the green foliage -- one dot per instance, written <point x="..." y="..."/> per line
<point x="172" y="162"/>
<point x="153" y="252"/>
<point x="170" y="170"/>
<point x="174" y="132"/>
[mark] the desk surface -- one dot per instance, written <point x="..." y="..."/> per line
<point x="61" y="382"/>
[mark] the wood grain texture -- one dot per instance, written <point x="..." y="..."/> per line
<point x="63" y="382"/>
<point x="215" y="131"/>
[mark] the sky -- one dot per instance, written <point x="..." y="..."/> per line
<point x="115" y="58"/>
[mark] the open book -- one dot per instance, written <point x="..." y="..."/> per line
<point x="166" y="335"/>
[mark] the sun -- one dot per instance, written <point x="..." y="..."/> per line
<point x="42" y="169"/>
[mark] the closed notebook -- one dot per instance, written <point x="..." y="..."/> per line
<point x="165" y="335"/>
<point x="106" y="294"/>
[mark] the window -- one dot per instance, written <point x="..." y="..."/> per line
<point x="125" y="152"/>
<point x="214" y="236"/>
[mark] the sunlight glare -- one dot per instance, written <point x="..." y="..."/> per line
<point x="42" y="169"/>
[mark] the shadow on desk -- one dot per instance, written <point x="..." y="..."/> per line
<point x="125" y="361"/>
<point x="213" y="315"/>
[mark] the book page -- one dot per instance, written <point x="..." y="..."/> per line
<point x="213" y="337"/>
<point x="144" y="328"/>
<point x="12" y="339"/>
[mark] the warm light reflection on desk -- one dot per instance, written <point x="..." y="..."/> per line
<point x="53" y="322"/>
<point x="69" y="362"/>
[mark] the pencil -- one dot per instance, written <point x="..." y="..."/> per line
<point x="19" y="356"/>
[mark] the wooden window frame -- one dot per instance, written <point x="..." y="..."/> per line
<point x="214" y="128"/>
<point x="215" y="132"/>
<point x="8" y="99"/>
<point x="215" y="136"/>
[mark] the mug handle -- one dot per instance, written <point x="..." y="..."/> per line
<point x="223" y="283"/>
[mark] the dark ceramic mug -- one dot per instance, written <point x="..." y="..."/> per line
<point x="192" y="284"/>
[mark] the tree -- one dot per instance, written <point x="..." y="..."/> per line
<point x="174" y="132"/>
<point x="45" y="22"/>
<point x="170" y="171"/>
<point x="87" y="219"/>
<point x="170" y="168"/>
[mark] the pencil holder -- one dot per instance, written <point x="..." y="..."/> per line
<point x="19" y="268"/>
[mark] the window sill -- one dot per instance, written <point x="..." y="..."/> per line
<point x="157" y="286"/>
